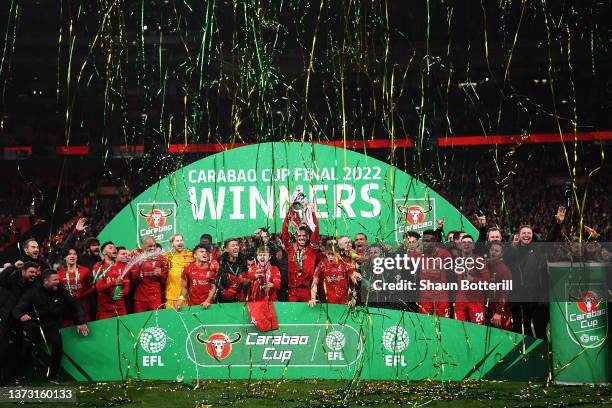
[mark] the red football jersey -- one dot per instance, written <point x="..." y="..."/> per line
<point x="106" y="289"/>
<point x="271" y="274"/>
<point x="499" y="272"/>
<point x="149" y="287"/>
<point x="101" y="269"/>
<point x="432" y="269"/>
<point x="301" y="260"/>
<point x="78" y="282"/>
<point x="200" y="281"/>
<point x="475" y="274"/>
<point x="80" y="285"/>
<point x="335" y="278"/>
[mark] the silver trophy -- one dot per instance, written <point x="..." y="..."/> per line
<point x="299" y="202"/>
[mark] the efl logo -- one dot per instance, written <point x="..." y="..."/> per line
<point x="589" y="302"/>
<point x="218" y="345"/>
<point x="153" y="339"/>
<point x="395" y="340"/>
<point x="157" y="220"/>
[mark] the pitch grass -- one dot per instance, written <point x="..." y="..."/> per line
<point x="315" y="393"/>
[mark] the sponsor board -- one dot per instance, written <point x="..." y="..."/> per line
<point x="230" y="195"/>
<point x="579" y="322"/>
<point x="322" y="342"/>
<point x="587" y="316"/>
<point x="295" y="345"/>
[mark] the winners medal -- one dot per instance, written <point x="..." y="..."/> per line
<point x="117" y="293"/>
<point x="299" y="257"/>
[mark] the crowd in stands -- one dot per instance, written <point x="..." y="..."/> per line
<point x="7" y="230"/>
<point x="529" y="190"/>
<point x="509" y="196"/>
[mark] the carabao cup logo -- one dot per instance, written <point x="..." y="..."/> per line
<point x="415" y="214"/>
<point x="153" y="339"/>
<point x="156" y="218"/>
<point x="589" y="302"/>
<point x="587" y="320"/>
<point x="218" y="345"/>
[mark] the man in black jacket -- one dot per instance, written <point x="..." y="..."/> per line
<point x="233" y="279"/>
<point x="14" y="281"/>
<point x="528" y="262"/>
<point x="32" y="254"/>
<point x="40" y="309"/>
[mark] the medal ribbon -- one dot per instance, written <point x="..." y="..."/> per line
<point x="299" y="257"/>
<point x="98" y="276"/>
<point x="76" y="279"/>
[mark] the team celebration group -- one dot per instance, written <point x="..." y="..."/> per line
<point x="104" y="280"/>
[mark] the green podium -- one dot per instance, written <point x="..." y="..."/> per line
<point x="324" y="342"/>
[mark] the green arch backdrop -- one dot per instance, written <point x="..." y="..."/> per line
<point x="232" y="193"/>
